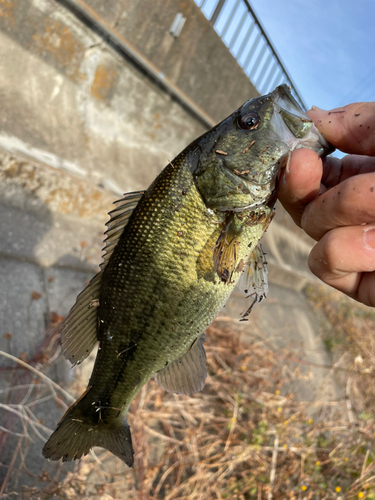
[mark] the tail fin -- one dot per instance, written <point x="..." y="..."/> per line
<point x="74" y="437"/>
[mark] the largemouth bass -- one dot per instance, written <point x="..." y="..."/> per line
<point x="173" y="255"/>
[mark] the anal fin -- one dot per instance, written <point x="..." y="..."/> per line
<point x="187" y="374"/>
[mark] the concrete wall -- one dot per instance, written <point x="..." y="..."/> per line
<point x="197" y="61"/>
<point x="71" y="101"/>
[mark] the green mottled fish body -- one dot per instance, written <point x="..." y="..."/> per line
<point x="173" y="256"/>
<point x="161" y="278"/>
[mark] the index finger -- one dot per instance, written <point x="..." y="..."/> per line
<point x="336" y="170"/>
<point x="350" y="203"/>
<point x="350" y="128"/>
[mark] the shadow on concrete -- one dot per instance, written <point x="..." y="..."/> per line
<point x="41" y="274"/>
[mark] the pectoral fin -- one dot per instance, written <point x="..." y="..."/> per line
<point x="185" y="375"/>
<point x="225" y="253"/>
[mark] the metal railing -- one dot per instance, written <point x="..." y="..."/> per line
<point x="240" y="29"/>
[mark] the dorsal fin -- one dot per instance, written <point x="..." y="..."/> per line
<point x="187" y="374"/>
<point x="79" y="329"/>
<point x="254" y="278"/>
<point x="119" y="218"/>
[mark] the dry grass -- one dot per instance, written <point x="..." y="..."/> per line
<point x="241" y="438"/>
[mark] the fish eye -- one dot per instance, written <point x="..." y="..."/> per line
<point x="250" y="121"/>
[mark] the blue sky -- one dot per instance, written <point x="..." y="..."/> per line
<point x="327" y="46"/>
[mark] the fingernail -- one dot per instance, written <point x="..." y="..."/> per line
<point x="369" y="238"/>
<point x="283" y="178"/>
<point x="287" y="162"/>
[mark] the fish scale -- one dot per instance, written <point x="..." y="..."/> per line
<point x="173" y="255"/>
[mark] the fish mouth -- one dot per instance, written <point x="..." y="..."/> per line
<point x="292" y="129"/>
<point x="292" y="126"/>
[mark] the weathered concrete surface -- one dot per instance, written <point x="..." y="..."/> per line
<point x="197" y="61"/>
<point x="72" y="102"/>
<point x="32" y="186"/>
<point x="78" y="106"/>
<point x="50" y="239"/>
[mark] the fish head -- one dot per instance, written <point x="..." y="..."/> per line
<point x="240" y="159"/>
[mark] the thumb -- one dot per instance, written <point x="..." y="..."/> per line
<point x="300" y="184"/>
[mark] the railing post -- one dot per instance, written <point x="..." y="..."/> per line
<point x="217" y="11"/>
<point x="268" y="65"/>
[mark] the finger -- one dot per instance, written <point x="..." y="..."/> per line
<point x="342" y="256"/>
<point x="300" y="184"/>
<point x="350" y="203"/>
<point x="350" y="128"/>
<point x="336" y="170"/>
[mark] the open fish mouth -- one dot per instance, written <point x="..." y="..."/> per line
<point x="292" y="126"/>
<point x="292" y="129"/>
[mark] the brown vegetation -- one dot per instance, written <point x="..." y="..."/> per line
<point x="244" y="437"/>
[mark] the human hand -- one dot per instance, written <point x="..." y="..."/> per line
<point x="334" y="200"/>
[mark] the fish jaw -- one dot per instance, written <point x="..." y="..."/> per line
<point x="293" y="127"/>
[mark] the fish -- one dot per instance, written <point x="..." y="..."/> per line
<point x="173" y="254"/>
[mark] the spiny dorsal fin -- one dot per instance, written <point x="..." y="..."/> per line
<point x="254" y="278"/>
<point x="186" y="375"/>
<point x="119" y="218"/>
<point x="79" y="329"/>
